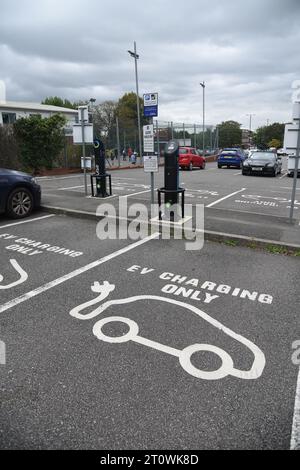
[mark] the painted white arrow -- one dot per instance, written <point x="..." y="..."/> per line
<point x="21" y="272"/>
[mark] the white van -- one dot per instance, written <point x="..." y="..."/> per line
<point x="291" y="165"/>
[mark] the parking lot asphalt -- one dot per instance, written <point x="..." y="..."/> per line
<point x="116" y="344"/>
<point x="252" y="206"/>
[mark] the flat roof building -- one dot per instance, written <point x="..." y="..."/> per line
<point x="10" y="111"/>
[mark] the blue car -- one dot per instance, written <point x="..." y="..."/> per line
<point x="19" y="193"/>
<point x="231" y="157"/>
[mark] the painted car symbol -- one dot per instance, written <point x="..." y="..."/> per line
<point x="20" y="271"/>
<point x="184" y="356"/>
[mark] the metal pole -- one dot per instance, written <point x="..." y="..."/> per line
<point x="138" y="102"/>
<point x="203" y="129"/>
<point x="118" y="141"/>
<point x="203" y="118"/>
<point x="157" y="140"/>
<point x="295" y="175"/>
<point x="152" y="174"/>
<point x="172" y="130"/>
<point x="183" y="134"/>
<point x="195" y="137"/>
<point x="83" y="151"/>
<point x="250" y="127"/>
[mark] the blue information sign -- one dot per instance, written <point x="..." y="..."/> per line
<point x="150" y="111"/>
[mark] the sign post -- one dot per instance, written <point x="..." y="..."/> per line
<point x="83" y="134"/>
<point x="148" y="134"/>
<point x="151" y="105"/>
<point x="292" y="144"/>
<point x="150" y="111"/>
<point x="295" y="173"/>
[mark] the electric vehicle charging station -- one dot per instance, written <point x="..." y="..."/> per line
<point x="171" y="189"/>
<point x="100" y="175"/>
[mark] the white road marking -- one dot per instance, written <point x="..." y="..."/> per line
<point x="20" y="271"/>
<point x="54" y="178"/>
<point x="121" y="178"/>
<point x="226" y="197"/>
<point x="136" y="194"/>
<point x="290" y="188"/>
<point x="70" y="187"/>
<point x="283" y="176"/>
<point x="227" y="367"/>
<point x="295" y="439"/>
<point x="237" y="174"/>
<point x="27" y="221"/>
<point x="77" y="272"/>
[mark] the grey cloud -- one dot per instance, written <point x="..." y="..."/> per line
<point x="247" y="52"/>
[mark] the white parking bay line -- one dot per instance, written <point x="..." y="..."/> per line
<point x="77" y="272"/>
<point x="27" y="221"/>
<point x="237" y="174"/>
<point x="70" y="187"/>
<point x="226" y="197"/>
<point x="295" y="439"/>
<point x="141" y="192"/>
<point x="283" y="176"/>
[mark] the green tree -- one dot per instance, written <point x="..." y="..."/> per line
<point x="128" y="120"/>
<point x="230" y="134"/>
<point x="9" y="150"/>
<point x="40" y="140"/>
<point x="62" y="103"/>
<point x="104" y="120"/>
<point x="274" y="143"/>
<point x="265" y="134"/>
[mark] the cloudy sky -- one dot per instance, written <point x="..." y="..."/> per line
<point x="247" y="51"/>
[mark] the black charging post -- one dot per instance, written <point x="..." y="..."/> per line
<point x="100" y="175"/>
<point x="171" y="189"/>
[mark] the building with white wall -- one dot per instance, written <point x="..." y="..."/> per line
<point x="10" y="111"/>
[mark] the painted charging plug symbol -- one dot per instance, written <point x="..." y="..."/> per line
<point x="184" y="356"/>
<point x="23" y="276"/>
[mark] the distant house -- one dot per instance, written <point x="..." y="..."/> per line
<point x="10" y="111"/>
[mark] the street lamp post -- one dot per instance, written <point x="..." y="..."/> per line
<point x="136" y="57"/>
<point x="203" y="131"/>
<point x="250" y="126"/>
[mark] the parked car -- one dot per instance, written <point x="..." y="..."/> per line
<point x="264" y="163"/>
<point x="19" y="193"/>
<point x="189" y="158"/>
<point x="231" y="157"/>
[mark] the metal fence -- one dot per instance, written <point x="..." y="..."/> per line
<point x="188" y="134"/>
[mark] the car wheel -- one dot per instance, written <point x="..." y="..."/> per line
<point x="219" y="166"/>
<point x="203" y="166"/>
<point x="20" y="203"/>
<point x="191" y="166"/>
<point x="274" y="174"/>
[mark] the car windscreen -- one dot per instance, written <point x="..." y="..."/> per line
<point x="262" y="156"/>
<point x="183" y="151"/>
<point x="229" y="152"/>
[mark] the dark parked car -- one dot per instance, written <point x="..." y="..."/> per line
<point x="263" y="163"/>
<point x="19" y="193"/>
